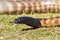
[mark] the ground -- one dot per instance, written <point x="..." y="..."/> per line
<point x="11" y="31"/>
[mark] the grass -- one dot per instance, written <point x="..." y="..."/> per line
<point x="11" y="31"/>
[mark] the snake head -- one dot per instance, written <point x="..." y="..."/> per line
<point x="27" y="20"/>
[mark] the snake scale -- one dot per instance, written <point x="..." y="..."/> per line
<point x="30" y="6"/>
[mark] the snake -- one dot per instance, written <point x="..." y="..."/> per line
<point x="38" y="22"/>
<point x="42" y="6"/>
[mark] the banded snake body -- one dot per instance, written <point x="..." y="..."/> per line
<point x="30" y="6"/>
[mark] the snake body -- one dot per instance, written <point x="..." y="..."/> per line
<point x="38" y="22"/>
<point x="30" y="6"/>
<point x="46" y="22"/>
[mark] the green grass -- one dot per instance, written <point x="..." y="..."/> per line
<point x="11" y="31"/>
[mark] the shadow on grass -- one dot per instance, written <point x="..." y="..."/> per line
<point x="28" y="29"/>
<point x="37" y="28"/>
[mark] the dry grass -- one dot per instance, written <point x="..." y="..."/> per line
<point x="11" y="31"/>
